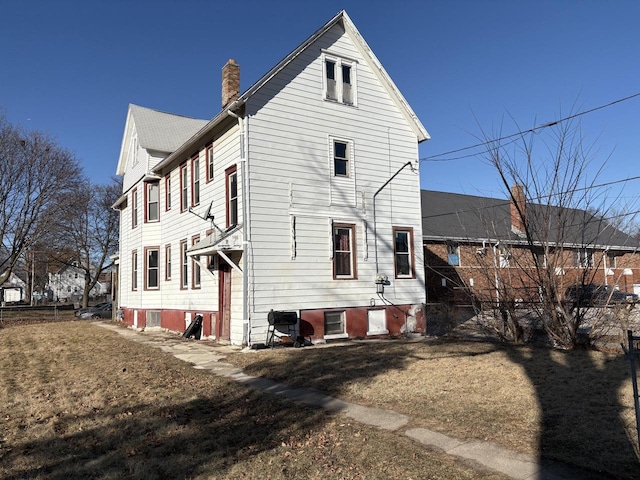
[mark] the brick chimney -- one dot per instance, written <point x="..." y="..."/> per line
<point x="518" y="209"/>
<point x="230" y="82"/>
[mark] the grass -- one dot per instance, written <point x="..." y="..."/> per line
<point x="77" y="401"/>
<point x="571" y="406"/>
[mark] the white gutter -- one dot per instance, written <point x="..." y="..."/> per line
<point x="246" y="236"/>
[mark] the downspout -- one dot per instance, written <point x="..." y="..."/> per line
<point x="246" y="237"/>
<point x="604" y="264"/>
<point x="375" y="232"/>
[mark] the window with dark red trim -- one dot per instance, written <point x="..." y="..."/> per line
<point x="232" y="195"/>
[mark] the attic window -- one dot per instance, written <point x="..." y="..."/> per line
<point x="339" y="80"/>
<point x="133" y="150"/>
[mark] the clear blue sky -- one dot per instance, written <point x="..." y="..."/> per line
<point x="71" y="67"/>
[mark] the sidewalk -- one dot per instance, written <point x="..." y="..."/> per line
<point x="209" y="357"/>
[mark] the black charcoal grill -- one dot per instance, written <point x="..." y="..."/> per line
<point x="278" y="320"/>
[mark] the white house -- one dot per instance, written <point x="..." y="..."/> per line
<point x="301" y="195"/>
<point x="13" y="290"/>
<point x="67" y="284"/>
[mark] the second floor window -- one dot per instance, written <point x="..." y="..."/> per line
<point x="153" y="202"/>
<point x="210" y="163"/>
<point x="195" y="176"/>
<point x="134" y="208"/>
<point x="184" y="188"/>
<point x="167" y="192"/>
<point x="232" y="197"/>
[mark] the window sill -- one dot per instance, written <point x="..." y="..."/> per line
<point x="378" y="332"/>
<point x="335" y="336"/>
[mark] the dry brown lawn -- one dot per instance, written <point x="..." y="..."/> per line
<point x="576" y="407"/>
<point x="78" y="401"/>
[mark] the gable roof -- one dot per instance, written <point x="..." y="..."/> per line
<point x="459" y="217"/>
<point x="156" y="130"/>
<point x="366" y="52"/>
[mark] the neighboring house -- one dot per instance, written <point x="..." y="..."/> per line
<point x="67" y="285"/>
<point x="299" y="196"/>
<point x="14" y="290"/>
<point x="472" y="242"/>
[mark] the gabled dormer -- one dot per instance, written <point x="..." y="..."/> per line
<point x="149" y="137"/>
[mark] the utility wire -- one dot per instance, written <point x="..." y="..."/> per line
<point x="508" y="202"/>
<point x="432" y="158"/>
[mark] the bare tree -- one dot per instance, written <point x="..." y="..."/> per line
<point x="34" y="173"/>
<point x="89" y="231"/>
<point x="560" y="236"/>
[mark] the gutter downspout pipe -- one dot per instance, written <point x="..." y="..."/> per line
<point x="246" y="237"/>
<point x="375" y="231"/>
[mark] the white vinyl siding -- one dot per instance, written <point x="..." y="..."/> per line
<point x="290" y="165"/>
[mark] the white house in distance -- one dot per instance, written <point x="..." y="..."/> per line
<point x="301" y="195"/>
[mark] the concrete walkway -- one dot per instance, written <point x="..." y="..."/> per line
<point x="209" y="356"/>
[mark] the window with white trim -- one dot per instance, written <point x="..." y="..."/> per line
<point x="210" y="163"/>
<point x="134" y="270"/>
<point x="167" y="192"/>
<point x="195" y="179"/>
<point x="583" y="258"/>
<point x="153" y="202"/>
<point x="184" y="188"/>
<point x="195" y="266"/>
<point x="453" y="254"/>
<point x="341" y="154"/>
<point x="339" y="80"/>
<point x="184" y="267"/>
<point x="232" y="196"/>
<point x="167" y="262"/>
<point x="134" y="208"/>
<point x="403" y="252"/>
<point x="334" y="323"/>
<point x="152" y="268"/>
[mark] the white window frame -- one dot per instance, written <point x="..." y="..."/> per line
<point x="195" y="181"/>
<point x="583" y="258"/>
<point x="153" y="186"/>
<point x="149" y="268"/>
<point x="167" y="262"/>
<point x="210" y="170"/>
<point x="134" y="208"/>
<point x="343" y="320"/>
<point x="453" y="248"/>
<point x="409" y="253"/>
<point x="184" y="187"/>
<point x="184" y="266"/>
<point x="339" y="62"/>
<point x="134" y="270"/>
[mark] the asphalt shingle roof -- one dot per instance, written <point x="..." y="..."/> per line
<point x="457" y="216"/>
<point x="162" y="131"/>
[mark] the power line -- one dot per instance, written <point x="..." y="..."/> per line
<point x="541" y="197"/>
<point x="432" y="158"/>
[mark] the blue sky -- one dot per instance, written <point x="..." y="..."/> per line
<point x="70" y="68"/>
